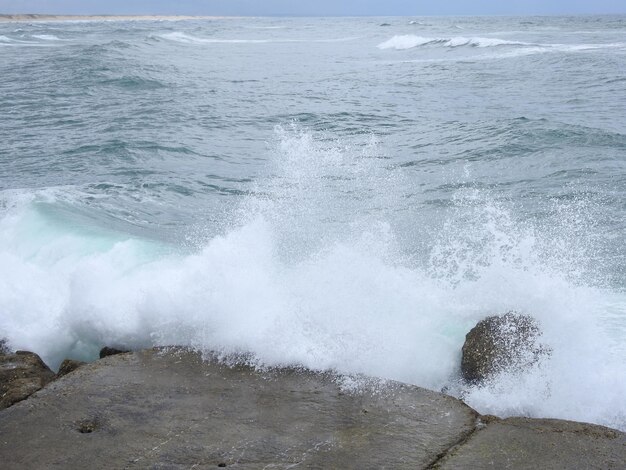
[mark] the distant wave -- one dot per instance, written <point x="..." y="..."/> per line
<point x="7" y="41"/>
<point x="410" y="41"/>
<point x="46" y="37"/>
<point x="189" y="39"/>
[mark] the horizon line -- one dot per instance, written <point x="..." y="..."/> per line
<point x="285" y="15"/>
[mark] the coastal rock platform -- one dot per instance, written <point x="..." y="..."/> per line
<point x="166" y="408"/>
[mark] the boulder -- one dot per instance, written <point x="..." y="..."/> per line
<point x="4" y="348"/>
<point x="509" y="342"/>
<point x="69" y="365"/>
<point x="107" y="351"/>
<point x="21" y="375"/>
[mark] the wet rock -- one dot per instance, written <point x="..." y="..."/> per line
<point x="501" y="343"/>
<point x="107" y="351"/>
<point x="523" y="443"/>
<point x="21" y="375"/>
<point x="170" y="409"/>
<point x="69" y="365"/>
<point x="166" y="408"/>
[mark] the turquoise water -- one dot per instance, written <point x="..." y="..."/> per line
<point x="352" y="194"/>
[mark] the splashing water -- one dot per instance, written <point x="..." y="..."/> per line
<point x="312" y="269"/>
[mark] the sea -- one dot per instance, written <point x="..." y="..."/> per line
<point x="344" y="194"/>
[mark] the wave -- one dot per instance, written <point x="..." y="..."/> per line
<point x="314" y="273"/>
<point x="189" y="39"/>
<point x="7" y="41"/>
<point x="410" y="41"/>
<point x="10" y="42"/>
<point x="46" y="37"/>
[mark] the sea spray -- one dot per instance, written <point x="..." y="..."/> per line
<point x="308" y="272"/>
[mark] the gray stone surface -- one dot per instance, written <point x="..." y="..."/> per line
<point x="170" y="410"/>
<point x="523" y="443"/>
<point x="21" y="375"/>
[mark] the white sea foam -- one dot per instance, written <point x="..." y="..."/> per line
<point x="410" y="41"/>
<point x="46" y="37"/>
<point x="189" y="39"/>
<point x="11" y="42"/>
<point x="303" y="276"/>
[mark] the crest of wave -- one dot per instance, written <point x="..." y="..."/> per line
<point x="411" y="41"/>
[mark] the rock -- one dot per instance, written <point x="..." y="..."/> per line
<point x="169" y="409"/>
<point x="4" y="347"/>
<point x="166" y="408"/>
<point x="518" y="443"/>
<point x="21" y="375"/>
<point x="68" y="365"/>
<point x="501" y="343"/>
<point x="107" y="351"/>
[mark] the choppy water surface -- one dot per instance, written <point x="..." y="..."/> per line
<point x="339" y="193"/>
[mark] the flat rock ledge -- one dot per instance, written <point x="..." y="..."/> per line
<point x="165" y="408"/>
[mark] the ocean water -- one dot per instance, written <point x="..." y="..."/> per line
<point x="349" y="194"/>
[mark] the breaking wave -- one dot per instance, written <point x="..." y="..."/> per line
<point x="519" y="48"/>
<point x="311" y="269"/>
<point x="410" y="41"/>
<point x="189" y="39"/>
<point x="46" y="37"/>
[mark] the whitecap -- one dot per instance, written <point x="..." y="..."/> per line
<point x="185" y="38"/>
<point x="189" y="39"/>
<point x="410" y="41"/>
<point x="46" y="37"/>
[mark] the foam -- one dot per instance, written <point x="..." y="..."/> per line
<point x="404" y="42"/>
<point x="7" y="41"/>
<point x="411" y="41"/>
<point x="189" y="39"/>
<point x="46" y="37"/>
<point x="313" y="273"/>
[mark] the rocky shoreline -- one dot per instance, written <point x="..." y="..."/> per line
<point x="169" y="408"/>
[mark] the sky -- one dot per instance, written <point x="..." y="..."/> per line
<point x="315" y="7"/>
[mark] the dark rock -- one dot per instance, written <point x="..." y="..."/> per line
<point x="107" y="351"/>
<point x="501" y="343"/>
<point x="68" y="365"/>
<point x="4" y="347"/>
<point x="21" y="375"/>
